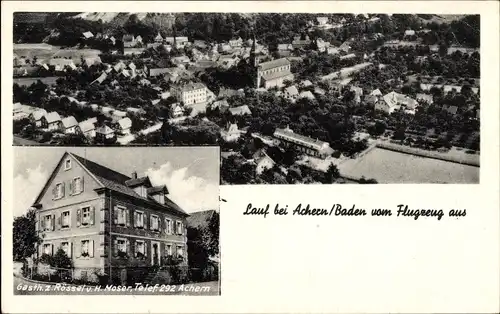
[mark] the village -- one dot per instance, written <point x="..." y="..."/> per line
<point x="311" y="108"/>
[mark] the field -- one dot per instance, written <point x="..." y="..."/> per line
<point x="27" y="81"/>
<point x="44" y="52"/>
<point x="392" y="167"/>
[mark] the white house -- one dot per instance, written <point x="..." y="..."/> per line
<point x="52" y="121"/>
<point x="70" y="125"/>
<point x="177" y="110"/>
<point x="291" y="93"/>
<point x="87" y="128"/>
<point x="37" y="115"/>
<point x="125" y="125"/>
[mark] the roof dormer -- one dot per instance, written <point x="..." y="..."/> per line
<point x="158" y="193"/>
<point x="140" y="185"/>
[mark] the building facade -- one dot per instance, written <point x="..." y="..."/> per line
<point x="303" y="144"/>
<point x="273" y="73"/>
<point x="192" y="93"/>
<point x="107" y="222"/>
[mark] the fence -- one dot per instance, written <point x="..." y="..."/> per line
<point x="122" y="275"/>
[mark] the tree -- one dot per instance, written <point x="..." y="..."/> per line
<point x="332" y="173"/>
<point x="25" y="236"/>
<point x="61" y="260"/>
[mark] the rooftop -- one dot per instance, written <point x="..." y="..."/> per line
<point x="273" y="64"/>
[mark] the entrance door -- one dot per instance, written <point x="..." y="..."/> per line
<point x="156" y="254"/>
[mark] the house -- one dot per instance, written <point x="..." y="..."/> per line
<point x="181" y="60"/>
<point x="425" y="98"/>
<point x="221" y="105"/>
<point x="306" y="94"/>
<point x="88" y="35"/>
<point x="200" y="44"/>
<point x="285" y="47"/>
<point x="409" y="32"/>
<point x="348" y="56"/>
<point x="158" y="71"/>
<point x="240" y="111"/>
<point x="306" y="83"/>
<point x="76" y="203"/>
<point x="228" y="92"/>
<point x="87" y="127"/>
<point x="36" y="117"/>
<point x="274" y="73"/>
<point x="129" y="41"/>
<point x="191" y="93"/>
<point x="345" y="47"/>
<point x="177" y="110"/>
<point x="70" y="125"/>
<point x="322" y="20"/>
<point x="358" y="92"/>
<point x="135" y="110"/>
<point x="394" y="101"/>
<point x="130" y="51"/>
<point x="231" y="133"/>
<point x="322" y="45"/>
<point x="291" y="93"/>
<point x="125" y="124"/>
<point x="236" y="43"/>
<point x="263" y="161"/>
<point x="332" y="50"/>
<point x="158" y="38"/>
<point x="51" y="121"/>
<point x="164" y="95"/>
<point x="303" y="144"/>
<point x="104" y="133"/>
<point x="298" y="43"/>
<point x="450" y="109"/>
<point x="373" y="97"/>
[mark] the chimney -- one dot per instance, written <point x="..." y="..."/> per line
<point x="134" y="175"/>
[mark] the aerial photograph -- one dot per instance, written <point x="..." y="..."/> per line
<point x="290" y="98"/>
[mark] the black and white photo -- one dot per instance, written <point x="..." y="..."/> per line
<point x="290" y="98"/>
<point x="100" y="220"/>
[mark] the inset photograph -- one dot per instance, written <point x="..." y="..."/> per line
<point x="112" y="220"/>
<point x="290" y="98"/>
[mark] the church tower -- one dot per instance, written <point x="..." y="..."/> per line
<point x="255" y="62"/>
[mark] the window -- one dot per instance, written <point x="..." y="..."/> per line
<point x="67" y="164"/>
<point x="179" y="227"/>
<point x="139" y="219"/>
<point x="48" y="223"/>
<point x="180" y="251"/>
<point x="65" y="220"/>
<point x="66" y="248"/>
<point x="140" y="249"/>
<point x="168" y="222"/>
<point x="155" y="223"/>
<point x="47" y="249"/>
<point x="85" y="248"/>
<point x="121" y="215"/>
<point x="59" y="191"/>
<point x="169" y="250"/>
<point x="76" y="186"/>
<point x="85" y="215"/>
<point x="122" y="245"/>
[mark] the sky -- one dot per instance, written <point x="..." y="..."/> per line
<point x="191" y="174"/>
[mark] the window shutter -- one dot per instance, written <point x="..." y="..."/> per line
<point x="115" y="247"/>
<point x="81" y="184"/>
<point x="127" y="218"/>
<point x="115" y="215"/>
<point x="78" y="251"/>
<point x="63" y="189"/>
<point x="52" y="249"/>
<point x="127" y="246"/>
<point x="78" y="217"/>
<point x="53" y="222"/>
<point x="151" y="222"/>
<point x="71" y="187"/>
<point x="42" y="223"/>
<point x="59" y="221"/>
<point x="92" y="215"/>
<point x="159" y="223"/>
<point x="91" y="248"/>
<point x="70" y="249"/>
<point x="135" y="220"/>
<point x="54" y="192"/>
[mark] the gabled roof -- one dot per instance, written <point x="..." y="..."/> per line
<point x="307" y="94"/>
<point x="88" y="35"/>
<point x="38" y="114"/>
<point x="292" y="90"/>
<point x="125" y="123"/>
<point x="69" y="122"/>
<point x="104" y="129"/>
<point x="376" y="92"/>
<point x="138" y="181"/>
<point x="239" y="111"/>
<point x="157" y="189"/>
<point x="273" y="64"/>
<point x="86" y="126"/>
<point x="52" y="117"/>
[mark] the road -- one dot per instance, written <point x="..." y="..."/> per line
<point x="23" y="287"/>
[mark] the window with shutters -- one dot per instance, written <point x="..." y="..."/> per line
<point x="168" y="223"/>
<point x="180" y="251"/>
<point x="48" y="223"/>
<point x="179" y="227"/>
<point x="169" y="250"/>
<point x="66" y="248"/>
<point x="65" y="219"/>
<point x="67" y="164"/>
<point x="59" y="191"/>
<point x="155" y="225"/>
<point x="121" y="215"/>
<point x="140" y="249"/>
<point x="47" y="249"/>
<point x="85" y="248"/>
<point x="139" y="219"/>
<point x="122" y="245"/>
<point x="77" y="186"/>
<point x="86" y="216"/>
